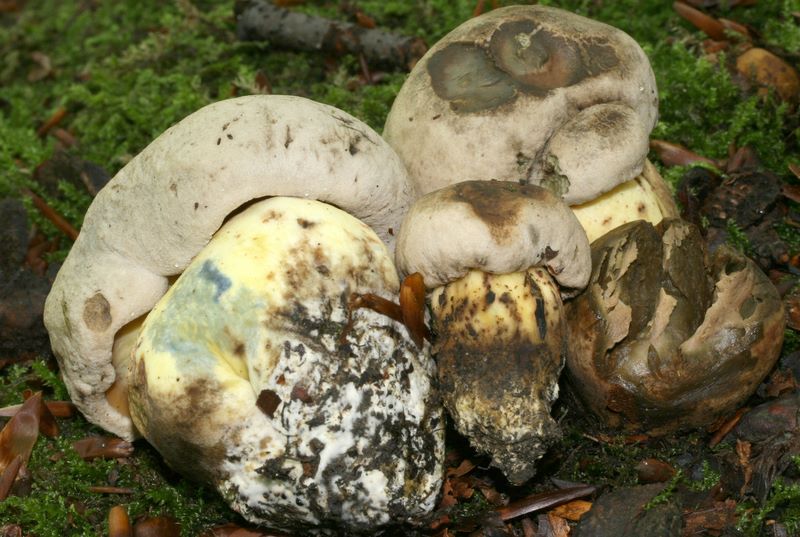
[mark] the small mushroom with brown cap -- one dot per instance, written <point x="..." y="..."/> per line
<point x="664" y="339"/>
<point x="252" y="373"/>
<point x="494" y="254"/>
<point x="535" y="95"/>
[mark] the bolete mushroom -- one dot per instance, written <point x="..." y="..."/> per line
<point x="163" y="207"/>
<point x="252" y="328"/>
<point x="252" y="373"/>
<point x="664" y="339"/>
<point x="492" y="252"/>
<point x="535" y="95"/>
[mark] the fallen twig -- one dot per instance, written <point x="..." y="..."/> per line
<point x="59" y="409"/>
<point x="110" y="490"/>
<point x="52" y="121"/>
<point x="262" y="20"/>
<point x="545" y="500"/>
<point x="48" y="212"/>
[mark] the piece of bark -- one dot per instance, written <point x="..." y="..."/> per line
<point x="263" y="20"/>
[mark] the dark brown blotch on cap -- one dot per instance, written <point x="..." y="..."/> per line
<point x="465" y="75"/>
<point x="97" y="313"/>
<point x="522" y="56"/>
<point x="540" y="60"/>
<point x="497" y="203"/>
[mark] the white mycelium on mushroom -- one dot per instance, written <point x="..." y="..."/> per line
<point x="254" y="374"/>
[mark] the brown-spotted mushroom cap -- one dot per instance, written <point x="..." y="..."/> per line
<point x="489" y="249"/>
<point x="157" y="213"/>
<point x="492" y="226"/>
<point x="531" y="94"/>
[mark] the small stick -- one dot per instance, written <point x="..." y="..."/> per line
<point x="59" y="409"/>
<point x="727" y="427"/>
<point x="259" y="20"/>
<point x="111" y="490"/>
<point x="48" y="212"/>
<point x="52" y="121"/>
<point x="541" y="501"/>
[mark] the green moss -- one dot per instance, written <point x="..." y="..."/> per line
<point x="783" y="503"/>
<point x="737" y="238"/>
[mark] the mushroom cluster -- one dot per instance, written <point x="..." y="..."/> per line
<point x="533" y="95"/>
<point x="252" y="373"/>
<point x="213" y="300"/>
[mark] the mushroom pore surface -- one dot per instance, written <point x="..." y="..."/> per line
<point x="158" y="212"/>
<point x="253" y="374"/>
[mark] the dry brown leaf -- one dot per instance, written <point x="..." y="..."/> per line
<point x="715" y="518"/>
<point x="795" y="169"/>
<point x="793" y="311"/>
<point x="705" y="23"/>
<point x="654" y="471"/>
<point x="21" y="432"/>
<point x="119" y="525"/>
<point x="51" y="122"/>
<point x="573" y="510"/>
<point x="558" y="525"/>
<point x="743" y="450"/>
<point x="464" y="468"/>
<point x="528" y="528"/>
<point x="102" y="447"/>
<point x="43" y="69"/>
<point x="672" y="154"/>
<point x="364" y="20"/>
<point x="233" y="530"/>
<point x="160" y="526"/>
<point x="8" y="476"/>
<point x="10" y="530"/>
<point x="782" y="380"/>
<point x="737" y="27"/>
<point x="412" y="307"/>
<point x="722" y="430"/>
<point x="765" y="70"/>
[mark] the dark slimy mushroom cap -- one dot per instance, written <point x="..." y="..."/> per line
<point x="492" y="226"/>
<point x="662" y="338"/>
<point x="530" y="94"/>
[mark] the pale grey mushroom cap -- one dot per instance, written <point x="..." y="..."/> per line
<point x="163" y="207"/>
<point x="531" y="94"/>
<point x="497" y="227"/>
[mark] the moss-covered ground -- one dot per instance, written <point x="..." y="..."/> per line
<point x="123" y="71"/>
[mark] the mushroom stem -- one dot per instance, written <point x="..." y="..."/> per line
<point x="500" y="346"/>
